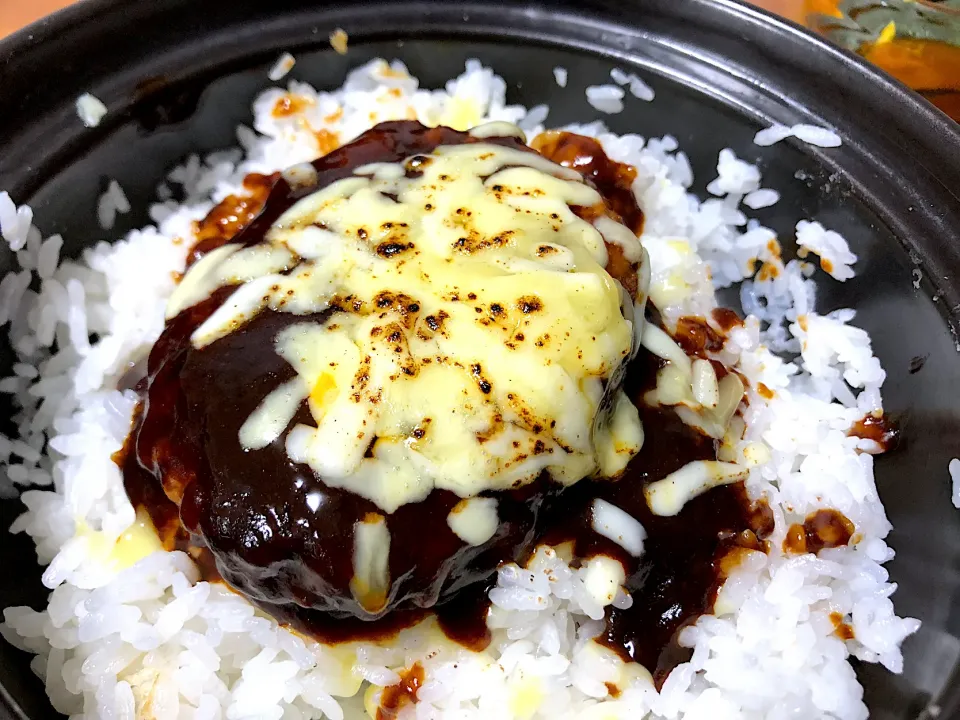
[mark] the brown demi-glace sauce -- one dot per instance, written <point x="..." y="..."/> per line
<point x="697" y="337"/>
<point x="879" y="428"/>
<point x="233" y="213"/>
<point x="244" y="516"/>
<point x="841" y="628"/>
<point x="395" y="697"/>
<point x="821" y="530"/>
<point x="586" y="156"/>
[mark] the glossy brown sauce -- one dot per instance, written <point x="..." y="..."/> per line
<point x="232" y="214"/>
<point x="586" y="156"/>
<point x="879" y="428"/>
<point x="726" y="319"/>
<point x="696" y="337"/>
<point x="396" y="697"/>
<point x="614" y="180"/>
<point x="699" y="339"/>
<point x="840" y="628"/>
<point x="820" y="530"/>
<point x="245" y="515"/>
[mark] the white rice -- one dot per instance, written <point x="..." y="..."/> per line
<point x="15" y="223"/>
<point x="605" y="98"/>
<point x="560" y="76"/>
<point x="761" y="198"/>
<point x="821" y="137"/>
<point x="638" y="88"/>
<point x="954" y="468"/>
<point x="734" y="176"/>
<point x="812" y="134"/>
<point x="283" y="66"/>
<point x="148" y="639"/>
<point x="113" y="202"/>
<point x="90" y="110"/>
<point x="772" y="135"/>
<point x="835" y="255"/>
<point x="534" y="118"/>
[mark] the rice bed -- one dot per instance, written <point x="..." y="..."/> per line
<point x="127" y="636"/>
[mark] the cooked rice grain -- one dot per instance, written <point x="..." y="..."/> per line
<point x="605" y="98"/>
<point x="90" y="110"/>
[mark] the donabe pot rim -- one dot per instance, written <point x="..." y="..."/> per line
<point x="46" y="66"/>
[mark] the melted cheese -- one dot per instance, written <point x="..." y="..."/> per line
<point x="526" y="694"/>
<point x="619" y="526"/>
<point x="135" y="543"/>
<point x="474" y="520"/>
<point x="602" y="578"/>
<point x="477" y="326"/>
<point x="371" y="563"/>
<point x="667" y="497"/>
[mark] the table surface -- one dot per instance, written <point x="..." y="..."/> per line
<point x="14" y="14"/>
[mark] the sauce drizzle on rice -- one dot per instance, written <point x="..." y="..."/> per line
<point x="821" y="530"/>
<point x="882" y="429"/>
<point x="841" y="629"/>
<point x="586" y="156"/>
<point x="232" y="214"/>
<point x="396" y="697"/>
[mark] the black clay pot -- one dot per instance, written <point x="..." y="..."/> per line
<point x="178" y="76"/>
